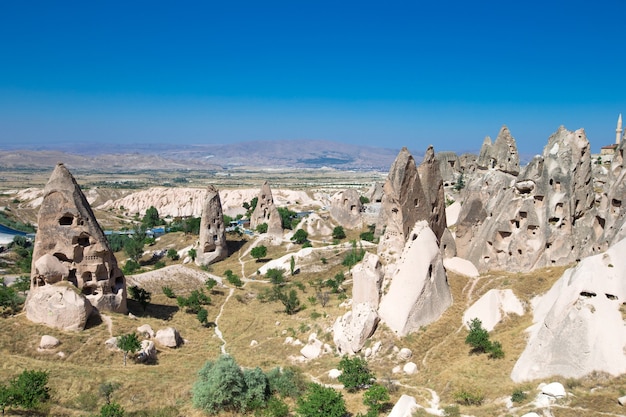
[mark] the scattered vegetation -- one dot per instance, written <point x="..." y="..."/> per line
<point x="478" y="339"/>
<point x="355" y="374"/>
<point x="28" y="390"/>
<point x="354" y="256"/>
<point x="319" y="401"/>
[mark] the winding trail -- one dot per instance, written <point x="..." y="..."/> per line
<point x="107" y="320"/>
<point x="217" y="330"/>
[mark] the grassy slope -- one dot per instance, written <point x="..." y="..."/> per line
<point x="438" y="349"/>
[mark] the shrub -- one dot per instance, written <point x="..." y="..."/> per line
<point x="320" y="401"/>
<point x="367" y="236"/>
<point x="130" y="267"/>
<point x="223" y="386"/>
<point x="210" y="283"/>
<point x="364" y="200"/>
<point x="128" y="343"/>
<point x="300" y="237"/>
<point x="194" y="302"/>
<point x="355" y="374"/>
<point x="354" y="256"/>
<point x="275" y="408"/>
<point x="10" y="301"/>
<point x="203" y="316"/>
<point x="111" y="410"/>
<point x="262" y="228"/>
<point x="339" y="233"/>
<point x="275" y="276"/>
<point x="140" y="295"/>
<point x="518" y="395"/>
<point x="289" y="300"/>
<point x="159" y="265"/>
<point x="169" y="293"/>
<point x="478" y="339"/>
<point x="288" y="382"/>
<point x="375" y="398"/>
<point x="172" y="254"/>
<point x="469" y="397"/>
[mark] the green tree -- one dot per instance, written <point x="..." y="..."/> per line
<point x="364" y="200"/>
<point x="151" y="218"/>
<point x="354" y="256"/>
<point x="107" y="389"/>
<point x="10" y="301"/>
<point x="287" y="382"/>
<point x="339" y="233"/>
<point x="172" y="254"/>
<point x="6" y="398"/>
<point x="478" y="337"/>
<point x="203" y="316"/>
<point x="133" y="247"/>
<point x="286" y="217"/>
<point x="111" y="410"/>
<point x="210" y="283"/>
<point x="128" y="343"/>
<point x="292" y="265"/>
<point x="320" y="401"/>
<point x="194" y="302"/>
<point x="140" y="295"/>
<point x="192" y="254"/>
<point x="355" y="373"/>
<point x="262" y="228"/>
<point x="233" y="278"/>
<point x="289" y="300"/>
<point x="220" y="386"/>
<point x="275" y="276"/>
<point x="375" y="399"/>
<point x="460" y="183"/>
<point x="257" y="389"/>
<point x="250" y="206"/>
<point x="259" y="252"/>
<point x="29" y="389"/>
<point x="300" y="237"/>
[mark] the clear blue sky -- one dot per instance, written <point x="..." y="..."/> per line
<point x="388" y="74"/>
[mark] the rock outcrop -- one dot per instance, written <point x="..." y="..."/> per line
<point x="266" y="212"/>
<point x="350" y="332"/>
<point x="70" y="248"/>
<point x="213" y="246"/>
<point x="544" y="216"/>
<point x="345" y="209"/>
<point x="59" y="305"/>
<point x="501" y="155"/>
<point x="418" y="292"/>
<point x="406" y="201"/>
<point x="492" y="307"/>
<point x="578" y="326"/>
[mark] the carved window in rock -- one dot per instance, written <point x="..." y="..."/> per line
<point x="66" y="220"/>
<point x="82" y="240"/>
<point x="86" y="276"/>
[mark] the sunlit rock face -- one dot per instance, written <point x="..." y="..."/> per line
<point x="544" y="216"/>
<point x="213" y="246"/>
<point x="345" y="209"/>
<point x="578" y="326"/>
<point x="71" y="247"/>
<point x="266" y="212"/>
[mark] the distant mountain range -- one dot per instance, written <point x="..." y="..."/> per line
<point x="259" y="154"/>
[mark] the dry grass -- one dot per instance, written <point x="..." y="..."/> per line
<point x="443" y="359"/>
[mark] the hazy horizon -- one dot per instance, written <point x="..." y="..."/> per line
<point x="393" y="75"/>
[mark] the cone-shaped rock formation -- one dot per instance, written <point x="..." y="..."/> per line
<point x="213" y="246"/>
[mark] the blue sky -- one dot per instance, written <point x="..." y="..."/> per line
<point x="387" y="74"/>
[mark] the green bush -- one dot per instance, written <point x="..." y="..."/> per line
<point x="469" y="397"/>
<point x="28" y="390"/>
<point x="10" y="301"/>
<point x="354" y="256"/>
<point x="355" y="373"/>
<point x="518" y="396"/>
<point x="300" y="236"/>
<point x="287" y="382"/>
<point x="262" y="228"/>
<point x="141" y="295"/>
<point x="130" y="267"/>
<point x="319" y="401"/>
<point x="172" y="254"/>
<point x="259" y="252"/>
<point x="223" y="386"/>
<point x="275" y="276"/>
<point x="111" y="410"/>
<point x="339" y="233"/>
<point x="478" y="339"/>
<point x="169" y="293"/>
<point x="375" y="398"/>
<point x="194" y="302"/>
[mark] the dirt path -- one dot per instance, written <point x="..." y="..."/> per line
<point x="217" y="330"/>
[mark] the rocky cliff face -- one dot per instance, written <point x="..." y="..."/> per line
<point x="266" y="212"/>
<point x="213" y="246"/>
<point x="543" y="216"/>
<point x="501" y="155"/>
<point x="578" y="326"/>
<point x="70" y="246"/>
<point x="345" y="209"/>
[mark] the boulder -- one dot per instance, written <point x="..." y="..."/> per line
<point x="452" y="213"/>
<point x="405" y="407"/>
<point x="48" y="342"/>
<point x="312" y="350"/>
<point x="146" y="331"/>
<point x="622" y="400"/>
<point x="266" y="212"/>
<point x="111" y="343"/>
<point x="351" y="331"/>
<point x="148" y="352"/>
<point x="410" y="368"/>
<point x="461" y="266"/>
<point x="59" y="305"/>
<point x="405" y="354"/>
<point x="168" y="337"/>
<point x="345" y="209"/>
<point x="577" y="326"/>
<point x="213" y="246"/>
<point x="71" y="247"/>
<point x="492" y="307"/>
<point x="554" y="389"/>
<point x="418" y="292"/>
<point x="334" y="373"/>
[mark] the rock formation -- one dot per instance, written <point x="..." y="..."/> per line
<point x="70" y="248"/>
<point x="419" y="292"/>
<point x="544" y="216"/>
<point x="213" y="246"/>
<point x="266" y="212"/>
<point x="501" y="155"/>
<point x="449" y="167"/>
<point x="345" y="209"/>
<point x="492" y="307"/>
<point x="375" y="193"/>
<point x="578" y="326"/>
<point x="405" y="202"/>
<point x="350" y="332"/>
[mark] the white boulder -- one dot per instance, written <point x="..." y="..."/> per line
<point x="312" y="350"/>
<point x="554" y="389"/>
<point x="168" y="337"/>
<point x="147" y="352"/>
<point x="405" y="354"/>
<point x="410" y="368"/>
<point x="334" y="373"/>
<point x="405" y="407"/>
<point x="146" y="331"/>
<point x="59" y="305"/>
<point x="461" y="266"/>
<point x="350" y="331"/>
<point x="48" y="342"/>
